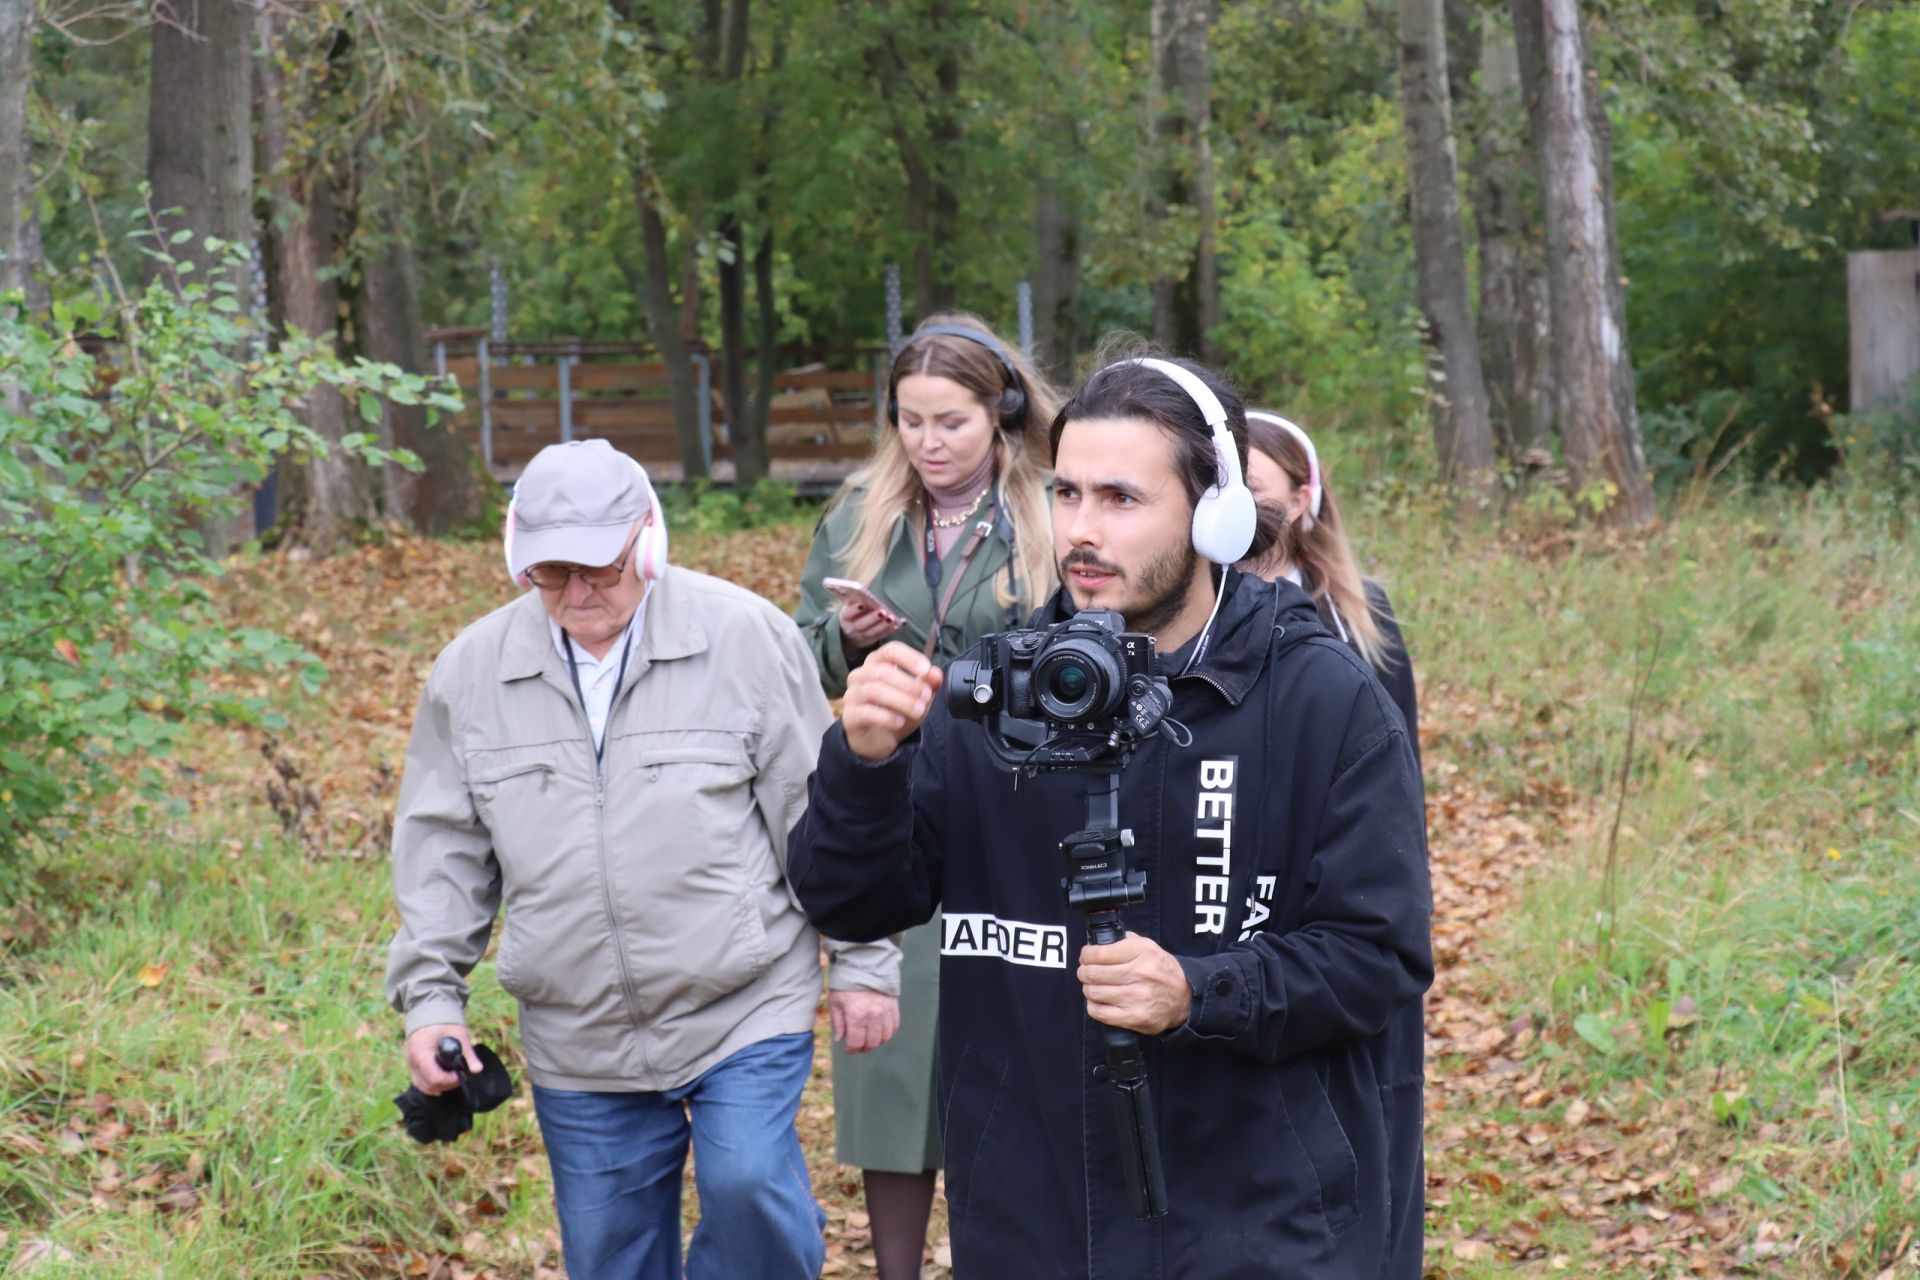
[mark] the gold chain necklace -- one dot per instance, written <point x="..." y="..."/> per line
<point x="952" y="522"/>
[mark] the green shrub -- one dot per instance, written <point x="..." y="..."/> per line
<point x="111" y="467"/>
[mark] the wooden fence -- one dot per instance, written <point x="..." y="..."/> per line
<point x="521" y="397"/>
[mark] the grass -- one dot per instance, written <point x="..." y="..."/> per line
<point x="196" y="1064"/>
<point x="1737" y="967"/>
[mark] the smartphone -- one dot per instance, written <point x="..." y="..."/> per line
<point x="849" y="591"/>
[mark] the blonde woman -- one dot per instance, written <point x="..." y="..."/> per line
<point x="1283" y="470"/>
<point x="948" y="528"/>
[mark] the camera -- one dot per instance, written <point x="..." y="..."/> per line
<point x="1082" y="696"/>
<point x="1089" y="681"/>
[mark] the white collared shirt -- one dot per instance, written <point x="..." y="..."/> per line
<point x="598" y="676"/>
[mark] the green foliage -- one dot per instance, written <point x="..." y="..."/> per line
<point x="1752" y="935"/>
<point x="113" y="468"/>
<point x="702" y="508"/>
<point x="1750" y="156"/>
<point x="1880" y="448"/>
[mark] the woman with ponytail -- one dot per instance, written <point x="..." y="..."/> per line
<point x="1283" y="470"/>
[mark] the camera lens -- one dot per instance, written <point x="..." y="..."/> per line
<point x="1068" y="682"/>
<point x="1077" y="680"/>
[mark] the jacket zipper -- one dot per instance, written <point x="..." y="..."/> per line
<point x="606" y="877"/>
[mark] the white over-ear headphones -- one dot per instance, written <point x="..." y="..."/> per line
<point x="1313" y="461"/>
<point x="651" y="549"/>
<point x="1224" y="518"/>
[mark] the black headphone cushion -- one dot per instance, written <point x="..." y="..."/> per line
<point x="1013" y="408"/>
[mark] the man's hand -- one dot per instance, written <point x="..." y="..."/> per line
<point x="863" y="1020"/>
<point x="421" y="1045"/>
<point x="888" y="696"/>
<point x="1134" y="983"/>
<point x="864" y="627"/>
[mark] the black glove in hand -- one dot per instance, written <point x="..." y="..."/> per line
<point x="442" y="1117"/>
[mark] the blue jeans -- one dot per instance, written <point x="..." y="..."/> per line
<point x="618" y="1160"/>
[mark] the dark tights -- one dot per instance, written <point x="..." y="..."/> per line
<point x="898" y="1207"/>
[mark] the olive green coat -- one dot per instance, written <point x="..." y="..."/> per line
<point x="884" y="1115"/>
<point x="902" y="583"/>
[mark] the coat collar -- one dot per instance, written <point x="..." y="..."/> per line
<point x="670" y="629"/>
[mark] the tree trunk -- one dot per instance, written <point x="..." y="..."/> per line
<point x="768" y="363"/>
<point x="745" y="435"/>
<point x="333" y="493"/>
<point x="748" y="446"/>
<point x="16" y="170"/>
<point x="1514" y="317"/>
<point x="656" y="300"/>
<point x="200" y="125"/>
<point x="943" y="131"/>
<point x="1186" y="305"/>
<point x="1598" y="433"/>
<point x="442" y="497"/>
<point x="1056" y="284"/>
<point x="1462" y="436"/>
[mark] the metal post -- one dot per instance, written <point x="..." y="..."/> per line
<point x="703" y="369"/>
<point x="896" y="337"/>
<point x="440" y="359"/>
<point x="497" y="299"/>
<point x="486" y="404"/>
<point x="565" y="368"/>
<point x="1023" y="307"/>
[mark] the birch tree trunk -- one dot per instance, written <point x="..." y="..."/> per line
<point x="1515" y="320"/>
<point x="1593" y="374"/>
<point x="1462" y="435"/>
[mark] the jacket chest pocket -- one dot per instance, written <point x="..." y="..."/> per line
<point x="694" y="805"/>
<point x="519" y="798"/>
<point x="704" y="875"/>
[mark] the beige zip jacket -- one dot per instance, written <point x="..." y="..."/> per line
<point x="649" y="929"/>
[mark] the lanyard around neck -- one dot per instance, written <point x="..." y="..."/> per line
<point x="573" y="669"/>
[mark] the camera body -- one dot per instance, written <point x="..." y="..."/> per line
<point x="1089" y="680"/>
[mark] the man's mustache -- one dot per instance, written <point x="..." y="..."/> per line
<point x="1080" y="557"/>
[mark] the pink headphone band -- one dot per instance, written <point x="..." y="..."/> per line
<point x="1306" y="446"/>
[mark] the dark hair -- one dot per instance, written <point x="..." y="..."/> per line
<point x="1120" y="390"/>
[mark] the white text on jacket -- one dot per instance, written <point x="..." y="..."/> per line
<point x="1213" y="863"/>
<point x="1044" y="946"/>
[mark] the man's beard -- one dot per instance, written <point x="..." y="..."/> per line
<point x="1163" y="584"/>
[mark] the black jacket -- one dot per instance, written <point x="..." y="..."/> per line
<point x="1397" y="678"/>
<point x="1286" y="860"/>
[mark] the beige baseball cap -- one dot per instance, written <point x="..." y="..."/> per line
<point x="576" y="503"/>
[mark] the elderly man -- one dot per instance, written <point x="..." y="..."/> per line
<point x="616" y="758"/>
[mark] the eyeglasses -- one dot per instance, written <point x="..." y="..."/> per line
<point x="553" y="575"/>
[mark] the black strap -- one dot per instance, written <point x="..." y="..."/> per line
<point x="573" y="669"/>
<point x="981" y="529"/>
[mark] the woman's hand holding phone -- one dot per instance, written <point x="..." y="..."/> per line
<point x="864" y="620"/>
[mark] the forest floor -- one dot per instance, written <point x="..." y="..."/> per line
<point x="1671" y="1034"/>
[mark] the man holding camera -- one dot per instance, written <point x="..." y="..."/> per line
<point x="1274" y="970"/>
<point x="616" y="758"/>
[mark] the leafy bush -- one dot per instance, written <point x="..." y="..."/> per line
<point x="112" y="466"/>
<point x="1880" y="449"/>
<point x="701" y="508"/>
